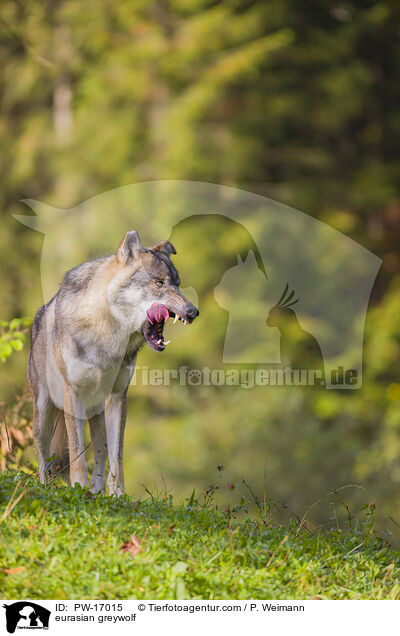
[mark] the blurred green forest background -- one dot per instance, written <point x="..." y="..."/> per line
<point x="295" y="101"/>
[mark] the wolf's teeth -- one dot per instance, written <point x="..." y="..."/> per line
<point x="177" y="317"/>
<point x="165" y="343"/>
<point x="159" y="341"/>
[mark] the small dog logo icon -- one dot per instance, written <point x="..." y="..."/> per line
<point x="26" y="615"/>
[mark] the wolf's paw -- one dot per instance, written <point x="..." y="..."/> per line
<point x="114" y="490"/>
<point x="97" y="484"/>
<point x="115" y="486"/>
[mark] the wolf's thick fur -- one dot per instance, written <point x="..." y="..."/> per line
<point x="84" y="347"/>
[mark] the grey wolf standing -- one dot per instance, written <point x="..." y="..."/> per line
<point x="83" y="353"/>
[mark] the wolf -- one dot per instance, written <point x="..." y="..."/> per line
<point x="84" y="345"/>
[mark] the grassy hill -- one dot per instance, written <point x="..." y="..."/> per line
<point x="59" y="542"/>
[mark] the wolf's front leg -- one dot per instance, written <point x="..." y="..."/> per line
<point x="98" y="433"/>
<point x="75" y="423"/>
<point x="115" y="425"/>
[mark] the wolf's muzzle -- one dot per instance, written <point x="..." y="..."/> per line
<point x="191" y="313"/>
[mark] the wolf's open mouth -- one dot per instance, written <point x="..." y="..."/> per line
<point x="153" y="330"/>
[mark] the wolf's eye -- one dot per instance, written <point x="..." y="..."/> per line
<point x="159" y="283"/>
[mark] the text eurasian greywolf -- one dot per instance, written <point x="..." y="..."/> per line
<point x="84" y="347"/>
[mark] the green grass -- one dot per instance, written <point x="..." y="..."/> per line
<point x="59" y="542"/>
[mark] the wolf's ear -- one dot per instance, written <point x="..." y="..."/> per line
<point x="165" y="247"/>
<point x="129" y="248"/>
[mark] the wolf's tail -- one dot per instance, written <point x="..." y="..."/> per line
<point x="59" y="448"/>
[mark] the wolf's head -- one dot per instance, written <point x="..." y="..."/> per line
<point x="145" y="290"/>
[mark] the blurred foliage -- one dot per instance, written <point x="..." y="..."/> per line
<point x="15" y="431"/>
<point x="12" y="336"/>
<point x="296" y="102"/>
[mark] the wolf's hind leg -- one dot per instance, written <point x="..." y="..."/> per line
<point x="44" y="413"/>
<point x="98" y="433"/>
<point x="59" y="447"/>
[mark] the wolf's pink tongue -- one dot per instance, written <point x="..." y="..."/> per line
<point x="157" y="313"/>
